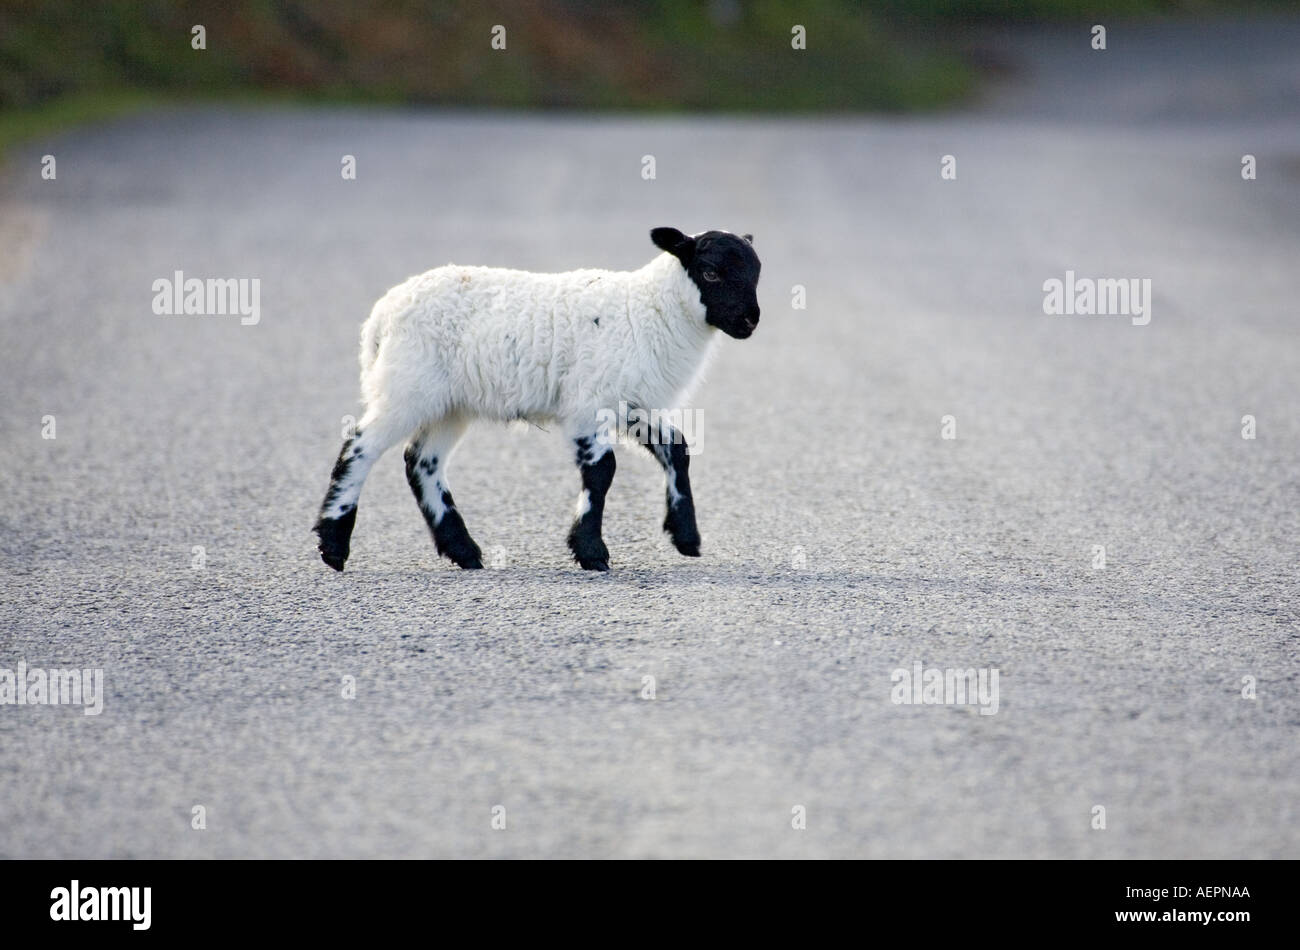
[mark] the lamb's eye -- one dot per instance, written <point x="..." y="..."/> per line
<point x="711" y="276"/>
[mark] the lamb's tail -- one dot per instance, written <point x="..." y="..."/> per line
<point x="369" y="344"/>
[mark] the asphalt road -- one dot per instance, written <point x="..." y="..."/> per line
<point x="844" y="537"/>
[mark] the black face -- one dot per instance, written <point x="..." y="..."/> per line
<point x="725" y="268"/>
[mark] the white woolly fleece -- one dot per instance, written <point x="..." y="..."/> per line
<point x="483" y="342"/>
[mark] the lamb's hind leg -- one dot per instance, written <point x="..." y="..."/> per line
<point x="596" y="462"/>
<point x="377" y="432"/>
<point x="426" y="466"/>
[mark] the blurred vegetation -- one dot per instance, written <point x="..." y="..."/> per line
<point x="88" y="56"/>
<point x="721" y="54"/>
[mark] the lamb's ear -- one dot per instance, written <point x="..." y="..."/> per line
<point x="675" y="243"/>
<point x="748" y="237"/>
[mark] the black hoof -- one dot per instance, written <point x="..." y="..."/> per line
<point x="588" y="549"/>
<point x="681" y="528"/>
<point x="335" y="537"/>
<point x="453" y="542"/>
<point x="689" y="548"/>
<point x="465" y="555"/>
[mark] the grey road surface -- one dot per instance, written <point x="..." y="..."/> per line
<point x="163" y="535"/>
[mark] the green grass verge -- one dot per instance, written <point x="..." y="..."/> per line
<point x="51" y="118"/>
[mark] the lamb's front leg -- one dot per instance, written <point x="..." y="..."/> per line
<point x="596" y="463"/>
<point x="669" y="446"/>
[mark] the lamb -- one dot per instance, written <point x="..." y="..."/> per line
<point x="456" y="344"/>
